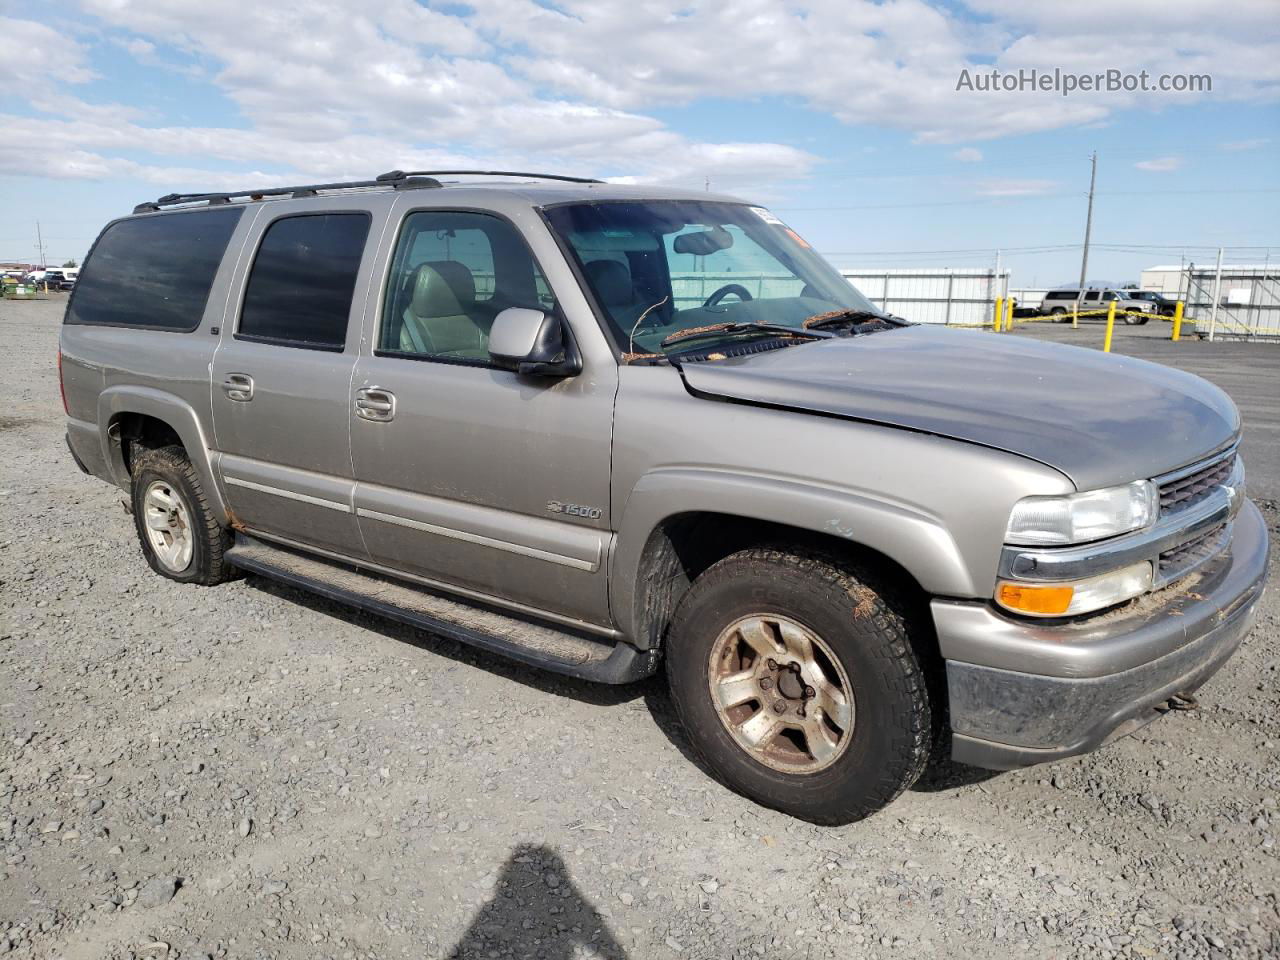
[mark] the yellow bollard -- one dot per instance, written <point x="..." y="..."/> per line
<point x="1177" y="321"/>
<point x="1008" y="314"/>
<point x="999" y="313"/>
<point x="1111" y="323"/>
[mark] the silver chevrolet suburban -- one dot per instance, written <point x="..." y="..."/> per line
<point x="1131" y="309"/>
<point x="601" y="428"/>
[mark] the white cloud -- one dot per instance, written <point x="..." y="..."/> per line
<point x="1007" y="187"/>
<point x="330" y="88"/>
<point x="34" y="56"/>
<point x="1236" y="146"/>
<point x="1160" y="164"/>
<point x="363" y="91"/>
<point x="893" y="63"/>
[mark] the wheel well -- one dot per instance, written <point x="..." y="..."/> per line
<point x="683" y="546"/>
<point x="133" y="431"/>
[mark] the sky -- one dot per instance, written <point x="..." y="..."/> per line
<point x="850" y="119"/>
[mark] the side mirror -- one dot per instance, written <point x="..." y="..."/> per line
<point x="533" y="343"/>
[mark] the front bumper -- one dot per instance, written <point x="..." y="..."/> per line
<point x="1023" y="692"/>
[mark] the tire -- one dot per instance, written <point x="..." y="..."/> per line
<point x="866" y="645"/>
<point x="167" y="473"/>
<point x="1059" y="314"/>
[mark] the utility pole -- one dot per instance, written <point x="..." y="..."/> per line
<point x="996" y="305"/>
<point x="1088" y="228"/>
<point x="706" y="184"/>
<point x="40" y="245"/>
<point x="1217" y="295"/>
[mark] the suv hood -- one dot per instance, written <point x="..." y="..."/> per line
<point x="1099" y="418"/>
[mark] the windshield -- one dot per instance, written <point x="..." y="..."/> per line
<point x="660" y="267"/>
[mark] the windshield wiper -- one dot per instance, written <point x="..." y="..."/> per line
<point x="734" y="329"/>
<point x="866" y="321"/>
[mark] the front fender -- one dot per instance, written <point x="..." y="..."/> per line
<point x="913" y="538"/>
<point x="170" y="409"/>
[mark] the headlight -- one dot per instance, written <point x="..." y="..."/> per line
<point x="1082" y="517"/>
<point x="1076" y="596"/>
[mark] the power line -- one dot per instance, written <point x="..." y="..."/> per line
<point x="995" y="198"/>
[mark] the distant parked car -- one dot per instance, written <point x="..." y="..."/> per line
<point x="54" y="279"/>
<point x="1062" y="303"/>
<point x="1164" y="306"/>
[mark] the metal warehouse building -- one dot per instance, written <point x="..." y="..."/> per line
<point x="940" y="295"/>
<point x="1241" y="300"/>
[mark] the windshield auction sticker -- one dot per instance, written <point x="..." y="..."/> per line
<point x="766" y="216"/>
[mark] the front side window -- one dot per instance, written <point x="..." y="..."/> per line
<point x="303" y="279"/>
<point x="154" y="271"/>
<point x="451" y="275"/>
<point x="660" y="267"/>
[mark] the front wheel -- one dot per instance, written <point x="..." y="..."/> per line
<point x="799" y="686"/>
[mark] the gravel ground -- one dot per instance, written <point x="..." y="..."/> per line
<point x="246" y="771"/>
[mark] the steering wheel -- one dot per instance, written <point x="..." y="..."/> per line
<point x="738" y="289"/>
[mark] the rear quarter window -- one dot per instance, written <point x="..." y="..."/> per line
<point x="153" y="272"/>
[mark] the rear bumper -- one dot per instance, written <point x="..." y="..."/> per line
<point x="86" y="448"/>
<point x="1023" y="693"/>
<point x="75" y="456"/>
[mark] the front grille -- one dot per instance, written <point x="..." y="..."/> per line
<point x="1189" y="490"/>
<point x="1183" y="558"/>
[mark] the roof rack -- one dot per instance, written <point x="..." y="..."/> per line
<point x="398" y="179"/>
<point x="408" y="181"/>
<point x="393" y="175"/>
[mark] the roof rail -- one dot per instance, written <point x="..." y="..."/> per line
<point x="407" y="181"/>
<point x="394" y="175"/>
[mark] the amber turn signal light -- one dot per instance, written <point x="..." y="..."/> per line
<point x="1041" y="600"/>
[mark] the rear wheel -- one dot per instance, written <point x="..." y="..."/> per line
<point x="799" y="686"/>
<point x="1059" y="314"/>
<point x="180" y="537"/>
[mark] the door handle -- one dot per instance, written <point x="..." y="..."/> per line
<point x="238" y="386"/>
<point x="376" y="404"/>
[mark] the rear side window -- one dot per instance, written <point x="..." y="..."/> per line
<point x="153" y="272"/>
<point x="303" y="278"/>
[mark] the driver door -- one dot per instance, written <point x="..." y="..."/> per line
<point x="468" y="475"/>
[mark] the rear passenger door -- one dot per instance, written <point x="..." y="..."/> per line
<point x="282" y="375"/>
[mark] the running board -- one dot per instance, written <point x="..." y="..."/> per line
<point x="537" y="644"/>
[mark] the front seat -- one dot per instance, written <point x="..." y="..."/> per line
<point x="435" y="321"/>
<point x="611" y="281"/>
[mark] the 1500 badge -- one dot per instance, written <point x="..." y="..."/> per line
<point x="574" y="510"/>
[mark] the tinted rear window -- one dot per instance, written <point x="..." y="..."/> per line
<point x="153" y="271"/>
<point x="303" y="278"/>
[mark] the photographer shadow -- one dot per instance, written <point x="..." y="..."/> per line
<point x="537" y="911"/>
